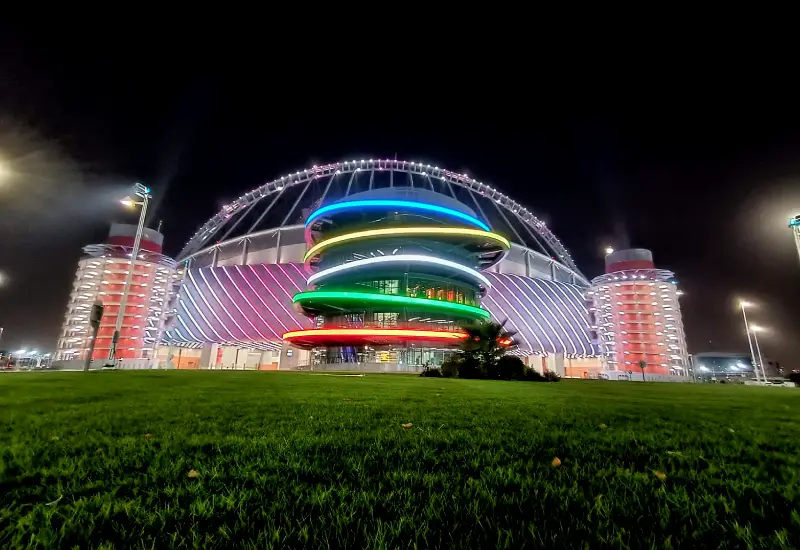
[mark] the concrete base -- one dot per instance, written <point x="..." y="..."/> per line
<point x="637" y="376"/>
<point x="366" y="367"/>
<point x="98" y="364"/>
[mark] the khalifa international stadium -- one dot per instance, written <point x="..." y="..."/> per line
<point x="374" y="265"/>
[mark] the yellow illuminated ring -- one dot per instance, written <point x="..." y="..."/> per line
<point x="403" y="232"/>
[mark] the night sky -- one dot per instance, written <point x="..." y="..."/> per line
<point x="702" y="171"/>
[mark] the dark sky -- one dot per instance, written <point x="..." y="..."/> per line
<point x="700" y="166"/>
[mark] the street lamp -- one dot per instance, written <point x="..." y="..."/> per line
<point x="794" y="225"/>
<point x="744" y="305"/>
<point x="756" y="329"/>
<point x="143" y="192"/>
<point x="609" y="250"/>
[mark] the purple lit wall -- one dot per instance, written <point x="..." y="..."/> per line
<point x="252" y="304"/>
<point x="547" y="316"/>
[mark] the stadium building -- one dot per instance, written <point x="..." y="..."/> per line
<point x="372" y="265"/>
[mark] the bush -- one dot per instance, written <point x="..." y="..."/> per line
<point x="532" y="375"/>
<point x="431" y="372"/>
<point x="450" y="367"/>
<point x="795" y="377"/>
<point x="550" y="376"/>
<point x="470" y="367"/>
<point x="508" y="367"/>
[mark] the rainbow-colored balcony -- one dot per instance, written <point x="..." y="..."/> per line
<point x="396" y="269"/>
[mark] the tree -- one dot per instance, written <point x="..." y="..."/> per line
<point x="485" y="344"/>
<point x="643" y="365"/>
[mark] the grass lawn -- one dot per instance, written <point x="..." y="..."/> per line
<point x="302" y="460"/>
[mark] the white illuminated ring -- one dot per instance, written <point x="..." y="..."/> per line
<point x="401" y="258"/>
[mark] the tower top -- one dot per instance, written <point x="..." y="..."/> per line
<point x="631" y="258"/>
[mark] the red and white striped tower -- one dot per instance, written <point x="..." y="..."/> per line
<point x="101" y="275"/>
<point x="638" y="315"/>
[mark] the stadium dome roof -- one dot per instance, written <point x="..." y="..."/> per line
<point x="288" y="200"/>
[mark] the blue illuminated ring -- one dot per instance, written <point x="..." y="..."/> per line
<point x="396" y="204"/>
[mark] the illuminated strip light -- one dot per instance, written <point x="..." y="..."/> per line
<point x="559" y="316"/>
<point x="200" y="311"/>
<point x="517" y="299"/>
<point x="246" y="299"/>
<point x="569" y="306"/>
<point x="403" y="258"/>
<point x="388" y="299"/>
<point x="189" y="315"/>
<point x="372" y="203"/>
<point x="406" y="231"/>
<point x="577" y="327"/>
<point x="279" y="302"/>
<point x="181" y="336"/>
<point x="547" y="318"/>
<point x="228" y="294"/>
<point x="257" y="295"/>
<point x="303" y="276"/>
<point x="508" y="318"/>
<point x="277" y="282"/>
<point x="228" y="313"/>
<point x="580" y="299"/>
<point x="377" y="332"/>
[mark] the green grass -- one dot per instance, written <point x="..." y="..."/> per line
<point x="302" y="460"/>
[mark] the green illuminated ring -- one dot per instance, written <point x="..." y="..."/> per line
<point x="404" y="232"/>
<point x="389" y="299"/>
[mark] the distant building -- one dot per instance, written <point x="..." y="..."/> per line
<point x="101" y="276"/>
<point x="717" y="364"/>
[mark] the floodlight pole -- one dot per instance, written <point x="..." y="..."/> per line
<point x="143" y="192"/>
<point x="750" y="341"/>
<point x="794" y="225"/>
<point x="95" y="316"/>
<point x="760" y="359"/>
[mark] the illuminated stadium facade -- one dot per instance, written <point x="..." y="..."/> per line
<point x="373" y="265"/>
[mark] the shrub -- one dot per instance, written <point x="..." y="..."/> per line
<point x="507" y="367"/>
<point x="431" y="372"/>
<point x="550" y="376"/>
<point x="532" y="375"/>
<point x="450" y="366"/>
<point x="795" y="377"/>
<point x="470" y="367"/>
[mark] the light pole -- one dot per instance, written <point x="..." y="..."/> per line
<point x="2" y="277"/>
<point x="794" y="225"/>
<point x="756" y="330"/>
<point x="143" y="192"/>
<point x="744" y="305"/>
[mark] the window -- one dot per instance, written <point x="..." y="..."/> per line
<point x="385" y="319"/>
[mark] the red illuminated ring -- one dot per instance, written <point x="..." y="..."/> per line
<point x="355" y="335"/>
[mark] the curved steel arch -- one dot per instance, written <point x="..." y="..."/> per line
<point x="242" y="205"/>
